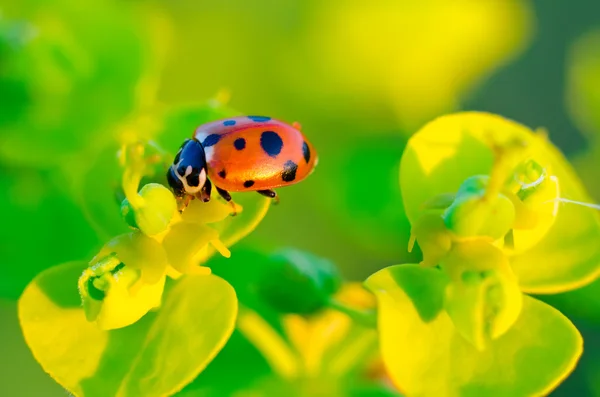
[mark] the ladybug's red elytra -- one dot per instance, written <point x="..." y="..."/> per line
<point x="239" y="154"/>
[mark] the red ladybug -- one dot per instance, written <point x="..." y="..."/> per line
<point x="239" y="154"/>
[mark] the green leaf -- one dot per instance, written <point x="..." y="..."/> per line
<point x="156" y="356"/>
<point x="453" y="148"/>
<point x="38" y="218"/>
<point x="57" y="73"/>
<point x="425" y="356"/>
<point x="569" y="252"/>
<point x="238" y="357"/>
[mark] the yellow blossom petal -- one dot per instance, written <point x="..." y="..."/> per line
<point x="187" y="246"/>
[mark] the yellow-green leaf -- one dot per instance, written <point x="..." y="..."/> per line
<point x="156" y="356"/>
<point x="452" y="148"/>
<point x="425" y="356"/>
<point x="569" y="255"/>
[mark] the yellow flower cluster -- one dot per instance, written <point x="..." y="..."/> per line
<point x="127" y="277"/>
<point x="472" y="233"/>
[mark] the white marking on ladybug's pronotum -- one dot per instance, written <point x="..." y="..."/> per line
<point x="202" y="178"/>
<point x="200" y="135"/>
<point x="183" y="178"/>
<point x="208" y="153"/>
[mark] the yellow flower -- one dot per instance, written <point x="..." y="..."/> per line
<point x="328" y="344"/>
<point x="126" y="279"/>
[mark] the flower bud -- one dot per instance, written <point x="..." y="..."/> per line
<point x="298" y="282"/>
<point x="472" y="214"/>
<point x="154" y="212"/>
<point x="483" y="298"/>
<point x="475" y="184"/>
<point x="533" y="192"/>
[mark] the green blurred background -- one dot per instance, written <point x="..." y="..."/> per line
<point x="359" y="76"/>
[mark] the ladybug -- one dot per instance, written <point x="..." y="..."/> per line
<point x="241" y="154"/>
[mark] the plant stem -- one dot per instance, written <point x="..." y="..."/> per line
<point x="363" y="317"/>
<point x="504" y="155"/>
<point x="274" y="349"/>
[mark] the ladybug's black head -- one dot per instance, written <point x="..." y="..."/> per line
<point x="187" y="175"/>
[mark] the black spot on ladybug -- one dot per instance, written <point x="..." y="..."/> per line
<point x="239" y="143"/>
<point x="248" y="183"/>
<point x="259" y="119"/>
<point x="211" y="140"/>
<point x="289" y="171"/>
<point x="182" y="169"/>
<point x="193" y="179"/>
<point x="229" y="123"/>
<point x="306" y="151"/>
<point x="271" y="143"/>
<point x="223" y="173"/>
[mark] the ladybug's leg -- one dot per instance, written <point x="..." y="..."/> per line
<point x="224" y="193"/>
<point x="183" y="202"/>
<point x="205" y="192"/>
<point x="269" y="193"/>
